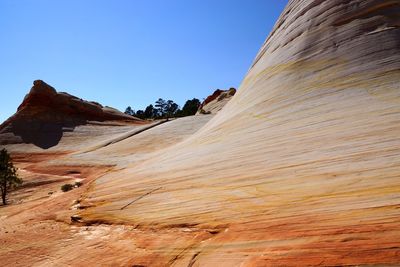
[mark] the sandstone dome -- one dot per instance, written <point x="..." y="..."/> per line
<point x="304" y="157"/>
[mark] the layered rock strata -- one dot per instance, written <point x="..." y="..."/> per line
<point x="45" y="115"/>
<point x="303" y="162"/>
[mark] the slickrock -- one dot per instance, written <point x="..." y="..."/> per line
<point x="300" y="168"/>
<point x="42" y="226"/>
<point x="141" y="146"/>
<point x="302" y="163"/>
<point x="215" y="102"/>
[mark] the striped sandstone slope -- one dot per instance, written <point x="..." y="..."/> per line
<point x="302" y="163"/>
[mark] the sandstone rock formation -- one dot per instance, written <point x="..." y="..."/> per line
<point x="37" y="225"/>
<point x="45" y="115"/>
<point x="302" y="163"/>
<point x="301" y="167"/>
<point x="215" y="102"/>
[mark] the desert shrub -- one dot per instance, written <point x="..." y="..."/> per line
<point x="202" y="111"/>
<point x="222" y="96"/>
<point x="232" y="91"/>
<point x="78" y="184"/>
<point x="67" y="187"/>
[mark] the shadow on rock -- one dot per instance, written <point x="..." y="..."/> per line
<point x="43" y="135"/>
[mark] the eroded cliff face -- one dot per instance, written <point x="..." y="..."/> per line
<point x="302" y="163"/>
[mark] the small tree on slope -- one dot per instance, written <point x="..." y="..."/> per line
<point x="8" y="175"/>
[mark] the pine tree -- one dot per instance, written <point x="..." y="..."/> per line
<point x="129" y="111"/>
<point x="191" y="107"/>
<point x="149" y="112"/>
<point x="161" y="105"/>
<point x="8" y="175"/>
<point x="171" y="108"/>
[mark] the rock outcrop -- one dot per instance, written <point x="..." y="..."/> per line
<point x="215" y="102"/>
<point x="45" y="114"/>
<point x="302" y="163"/>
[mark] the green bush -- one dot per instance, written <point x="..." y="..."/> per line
<point x="202" y="111"/>
<point x="67" y="187"/>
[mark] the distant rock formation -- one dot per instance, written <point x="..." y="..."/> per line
<point x="215" y="102"/>
<point x="45" y="114"/>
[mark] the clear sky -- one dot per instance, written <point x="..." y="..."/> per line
<point x="129" y="52"/>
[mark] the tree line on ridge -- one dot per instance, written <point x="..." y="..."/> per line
<point x="164" y="109"/>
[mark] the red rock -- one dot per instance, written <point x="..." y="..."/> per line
<point x="215" y="102"/>
<point x="45" y="114"/>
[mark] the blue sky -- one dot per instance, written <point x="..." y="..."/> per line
<point x="129" y="52"/>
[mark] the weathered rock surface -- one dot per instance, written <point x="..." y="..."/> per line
<point x="215" y="102"/>
<point x="302" y="163"/>
<point x="301" y="167"/>
<point x="45" y="115"/>
<point x="43" y="227"/>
